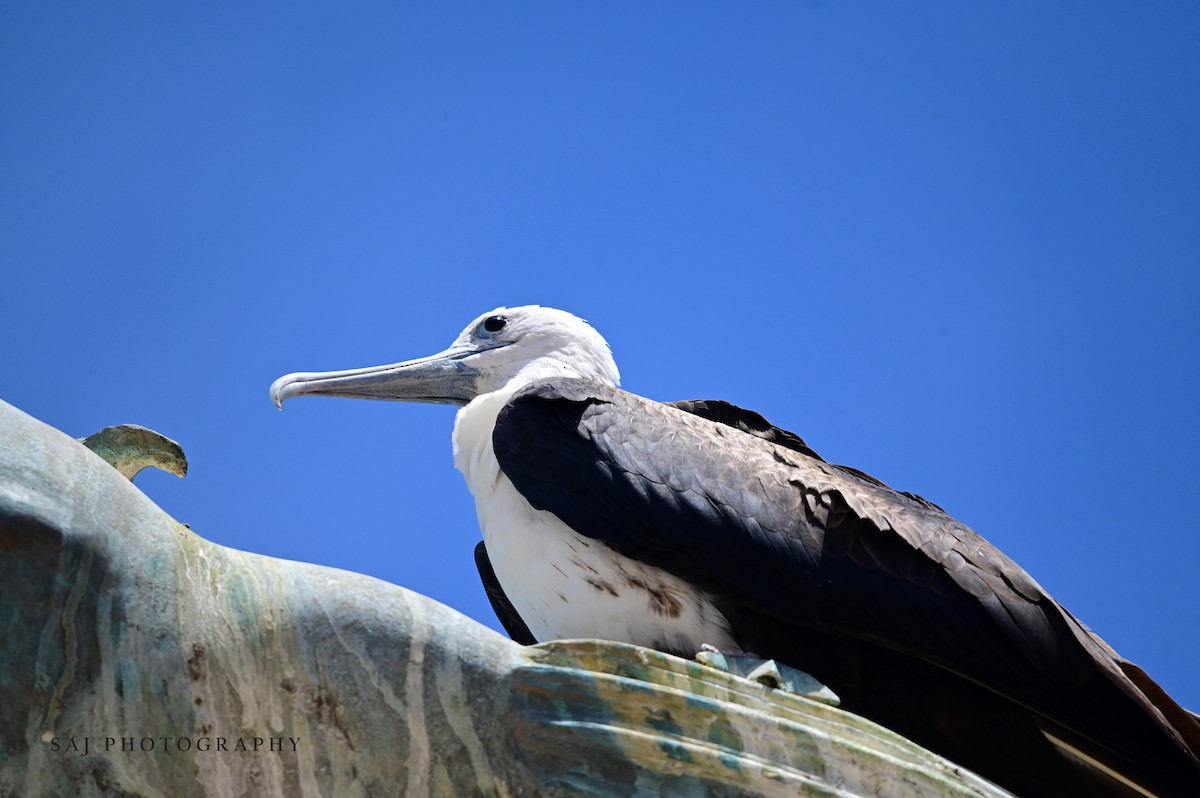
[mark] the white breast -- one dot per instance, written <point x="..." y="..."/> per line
<point x="562" y="584"/>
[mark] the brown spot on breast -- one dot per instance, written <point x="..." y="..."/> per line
<point x="663" y="599"/>
<point x="581" y="565"/>
<point x="603" y="585"/>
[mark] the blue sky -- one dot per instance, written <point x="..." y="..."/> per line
<point x="956" y="245"/>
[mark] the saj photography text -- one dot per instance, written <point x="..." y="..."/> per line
<point x="87" y="745"/>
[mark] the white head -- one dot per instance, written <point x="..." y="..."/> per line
<point x="502" y="349"/>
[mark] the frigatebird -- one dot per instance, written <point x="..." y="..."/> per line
<point x="684" y="524"/>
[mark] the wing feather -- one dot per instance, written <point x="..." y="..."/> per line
<point x="509" y="618"/>
<point x="804" y="552"/>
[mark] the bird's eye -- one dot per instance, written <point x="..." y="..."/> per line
<point x="493" y="324"/>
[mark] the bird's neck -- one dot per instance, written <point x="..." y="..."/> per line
<point x="473" y="454"/>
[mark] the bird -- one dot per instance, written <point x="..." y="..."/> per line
<point x="691" y="524"/>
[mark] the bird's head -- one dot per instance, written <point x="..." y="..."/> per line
<point x="503" y="348"/>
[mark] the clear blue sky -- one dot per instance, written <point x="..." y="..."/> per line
<point x="956" y="245"/>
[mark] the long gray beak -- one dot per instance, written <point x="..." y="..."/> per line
<point x="443" y="378"/>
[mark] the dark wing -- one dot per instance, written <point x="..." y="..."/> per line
<point x="755" y="424"/>
<point x="747" y="421"/>
<point x="509" y="618"/>
<point x="903" y="611"/>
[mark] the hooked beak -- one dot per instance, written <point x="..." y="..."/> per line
<point x="444" y="378"/>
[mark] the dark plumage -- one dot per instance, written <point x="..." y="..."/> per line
<point x="912" y="618"/>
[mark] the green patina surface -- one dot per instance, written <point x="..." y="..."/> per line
<point x="130" y="448"/>
<point x="118" y="623"/>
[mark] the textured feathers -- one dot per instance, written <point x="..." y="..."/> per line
<point x="912" y="617"/>
<point x="510" y="619"/>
